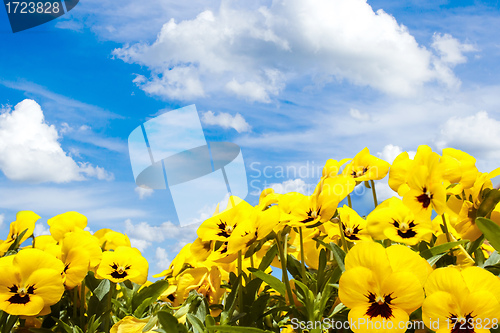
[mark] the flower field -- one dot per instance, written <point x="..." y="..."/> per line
<point x="425" y="260"/>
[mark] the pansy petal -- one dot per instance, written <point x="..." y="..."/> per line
<point x="371" y="255"/>
<point x="354" y="286"/>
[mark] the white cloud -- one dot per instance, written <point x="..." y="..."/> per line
<point x="450" y="50"/>
<point x="225" y="120"/>
<point x="143" y="235"/>
<point x="254" y="53"/>
<point x="362" y="116"/>
<point x="390" y="152"/>
<point x="177" y="83"/>
<point x="41" y="229"/>
<point x="478" y="135"/>
<point x="139" y="244"/>
<point x="30" y="150"/>
<point x="2" y="218"/>
<point x="161" y="257"/>
<point x="143" y="192"/>
<point x="384" y="191"/>
<point x="95" y="172"/>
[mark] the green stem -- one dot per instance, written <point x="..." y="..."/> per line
<point x="342" y="237"/>
<point x="349" y="202"/>
<point x="302" y="256"/>
<point x="289" y="295"/>
<point x="240" y="274"/>
<point x="82" y="305"/>
<point x="75" y="301"/>
<point x="445" y="226"/>
<point x="374" y="193"/>
<point x="447" y="232"/>
<point x="108" y="318"/>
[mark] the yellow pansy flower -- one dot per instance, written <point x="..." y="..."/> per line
<point x="110" y="239"/>
<point x="204" y="280"/>
<point x="253" y="229"/>
<point x="393" y="220"/>
<point x="426" y="192"/>
<point x="25" y="220"/>
<point x="458" y="168"/>
<point x="353" y="225"/>
<point x="365" y="166"/>
<point x="66" y="222"/>
<point x="465" y="300"/>
<point x="124" y="263"/>
<point x="398" y="173"/>
<point x="220" y="226"/>
<point x="332" y="167"/>
<point x="130" y="324"/>
<point x="48" y="244"/>
<point x="382" y="286"/>
<point x="30" y="281"/>
<point x="466" y="210"/>
<point x="321" y="205"/>
<point x="80" y="253"/>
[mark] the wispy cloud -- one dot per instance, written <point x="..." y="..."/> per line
<point x="77" y="109"/>
<point x="225" y="120"/>
<point x="98" y="202"/>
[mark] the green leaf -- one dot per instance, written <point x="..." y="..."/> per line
<point x="144" y="305"/>
<point x="338" y="253"/>
<point x="443" y="248"/>
<point x="473" y="246"/>
<point x="169" y="323"/>
<point x="151" y="292"/>
<point x="274" y="282"/>
<point x="493" y="259"/>
<point x="268" y="257"/>
<point x="230" y="302"/>
<point x="91" y="282"/>
<point x="433" y="260"/>
<point x="152" y="322"/>
<point x="491" y="231"/>
<point x="491" y="199"/>
<point x="102" y="289"/>
<point x="210" y="321"/>
<point x="231" y="329"/>
<point x="196" y="323"/>
<point x="16" y="243"/>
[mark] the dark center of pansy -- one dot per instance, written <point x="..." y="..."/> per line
<point x="312" y="215"/>
<point x="462" y="324"/>
<point x="21" y="296"/>
<point x="359" y="173"/>
<point x="405" y="230"/>
<point x="225" y="229"/>
<point x="379" y="306"/>
<point x="425" y="198"/>
<point x="351" y="233"/>
<point x="119" y="272"/>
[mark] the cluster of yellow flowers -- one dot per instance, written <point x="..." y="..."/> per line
<point x="36" y="277"/>
<point x="441" y="198"/>
<point x="427" y="254"/>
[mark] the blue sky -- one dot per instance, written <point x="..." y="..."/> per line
<point x="292" y="85"/>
